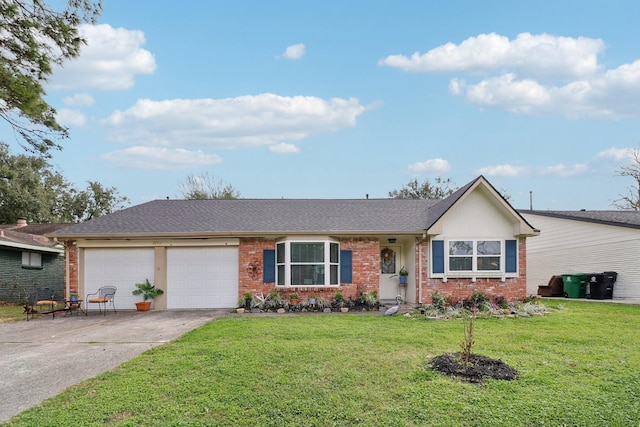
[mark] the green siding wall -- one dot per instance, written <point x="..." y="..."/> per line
<point x="16" y="283"/>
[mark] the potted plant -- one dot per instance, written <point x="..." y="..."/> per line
<point x="73" y="297"/>
<point x="148" y="292"/>
<point x="403" y="273"/>
<point x="294" y="298"/>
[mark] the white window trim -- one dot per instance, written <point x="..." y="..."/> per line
<point x="327" y="262"/>
<point x="30" y="260"/>
<point x="474" y="262"/>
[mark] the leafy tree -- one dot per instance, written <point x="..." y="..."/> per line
<point x="33" y="38"/>
<point x="440" y="189"/>
<point x="205" y="187"/>
<point x="630" y="200"/>
<point x="31" y="189"/>
<point x="92" y="202"/>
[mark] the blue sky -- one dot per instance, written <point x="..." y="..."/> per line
<point x="338" y="99"/>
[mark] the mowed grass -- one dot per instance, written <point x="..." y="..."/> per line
<point x="11" y="312"/>
<point x="578" y="366"/>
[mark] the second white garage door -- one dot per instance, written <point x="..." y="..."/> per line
<point x="202" y="277"/>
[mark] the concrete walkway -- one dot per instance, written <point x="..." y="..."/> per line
<point x="42" y="357"/>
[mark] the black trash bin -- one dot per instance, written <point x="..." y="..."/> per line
<point x="596" y="285"/>
<point x="601" y="284"/>
<point x="608" y="279"/>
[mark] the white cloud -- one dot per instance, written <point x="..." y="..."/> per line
<point x="295" y="51"/>
<point x="432" y="165"/>
<point x="610" y="96"/>
<point x="160" y="158"/>
<point x="503" y="170"/>
<point x="110" y="61"/>
<point x="564" y="171"/>
<point x="616" y="153"/>
<point x="541" y="55"/>
<point x="533" y="74"/>
<point x="283" y="148"/>
<point x="264" y="119"/>
<point x="70" y="118"/>
<point x="79" y="100"/>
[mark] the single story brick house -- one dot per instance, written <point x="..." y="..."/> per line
<point x="29" y="260"/>
<point x="208" y="253"/>
<point x="586" y="242"/>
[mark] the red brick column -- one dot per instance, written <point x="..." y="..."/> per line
<point x="71" y="266"/>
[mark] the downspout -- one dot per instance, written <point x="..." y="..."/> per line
<point x="420" y="272"/>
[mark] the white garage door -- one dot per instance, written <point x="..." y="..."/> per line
<point x="202" y="277"/>
<point x="122" y="268"/>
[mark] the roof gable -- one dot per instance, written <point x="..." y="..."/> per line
<point x="480" y="185"/>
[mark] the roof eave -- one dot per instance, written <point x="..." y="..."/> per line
<point x="253" y="233"/>
<point x="34" y="248"/>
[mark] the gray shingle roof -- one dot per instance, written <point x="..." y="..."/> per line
<point x="251" y="216"/>
<point x="629" y="219"/>
<point x="238" y="217"/>
<point x="18" y="239"/>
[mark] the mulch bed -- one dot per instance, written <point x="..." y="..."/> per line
<point x="480" y="367"/>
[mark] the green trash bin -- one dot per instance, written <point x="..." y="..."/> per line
<point x="575" y="285"/>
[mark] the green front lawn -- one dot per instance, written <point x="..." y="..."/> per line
<point x="577" y="366"/>
<point x="11" y="312"/>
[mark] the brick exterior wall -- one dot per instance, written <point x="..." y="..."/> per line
<point x="365" y="273"/>
<point x="457" y="289"/>
<point x="71" y="252"/>
<point x="251" y="268"/>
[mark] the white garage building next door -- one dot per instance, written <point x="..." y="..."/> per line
<point x="202" y="277"/>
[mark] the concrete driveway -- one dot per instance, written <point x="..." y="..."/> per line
<point x="42" y="357"/>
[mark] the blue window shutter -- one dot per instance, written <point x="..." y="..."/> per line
<point x="437" y="256"/>
<point x="511" y="256"/>
<point x="346" y="266"/>
<point x="269" y="263"/>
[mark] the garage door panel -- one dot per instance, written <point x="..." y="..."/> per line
<point x="122" y="268"/>
<point x="202" y="277"/>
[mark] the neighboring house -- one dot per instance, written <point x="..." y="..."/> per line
<point x="208" y="253"/>
<point x="29" y="260"/>
<point x="585" y="242"/>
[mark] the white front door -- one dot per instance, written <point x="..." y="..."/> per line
<point x="390" y="265"/>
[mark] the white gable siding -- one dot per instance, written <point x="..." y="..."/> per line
<point x="569" y="246"/>
<point x="477" y="216"/>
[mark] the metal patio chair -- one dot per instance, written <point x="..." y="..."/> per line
<point x="102" y="297"/>
<point x="42" y="301"/>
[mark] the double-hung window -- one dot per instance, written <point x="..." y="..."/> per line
<point x="475" y="255"/>
<point x="307" y="263"/>
<point x="31" y="260"/>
